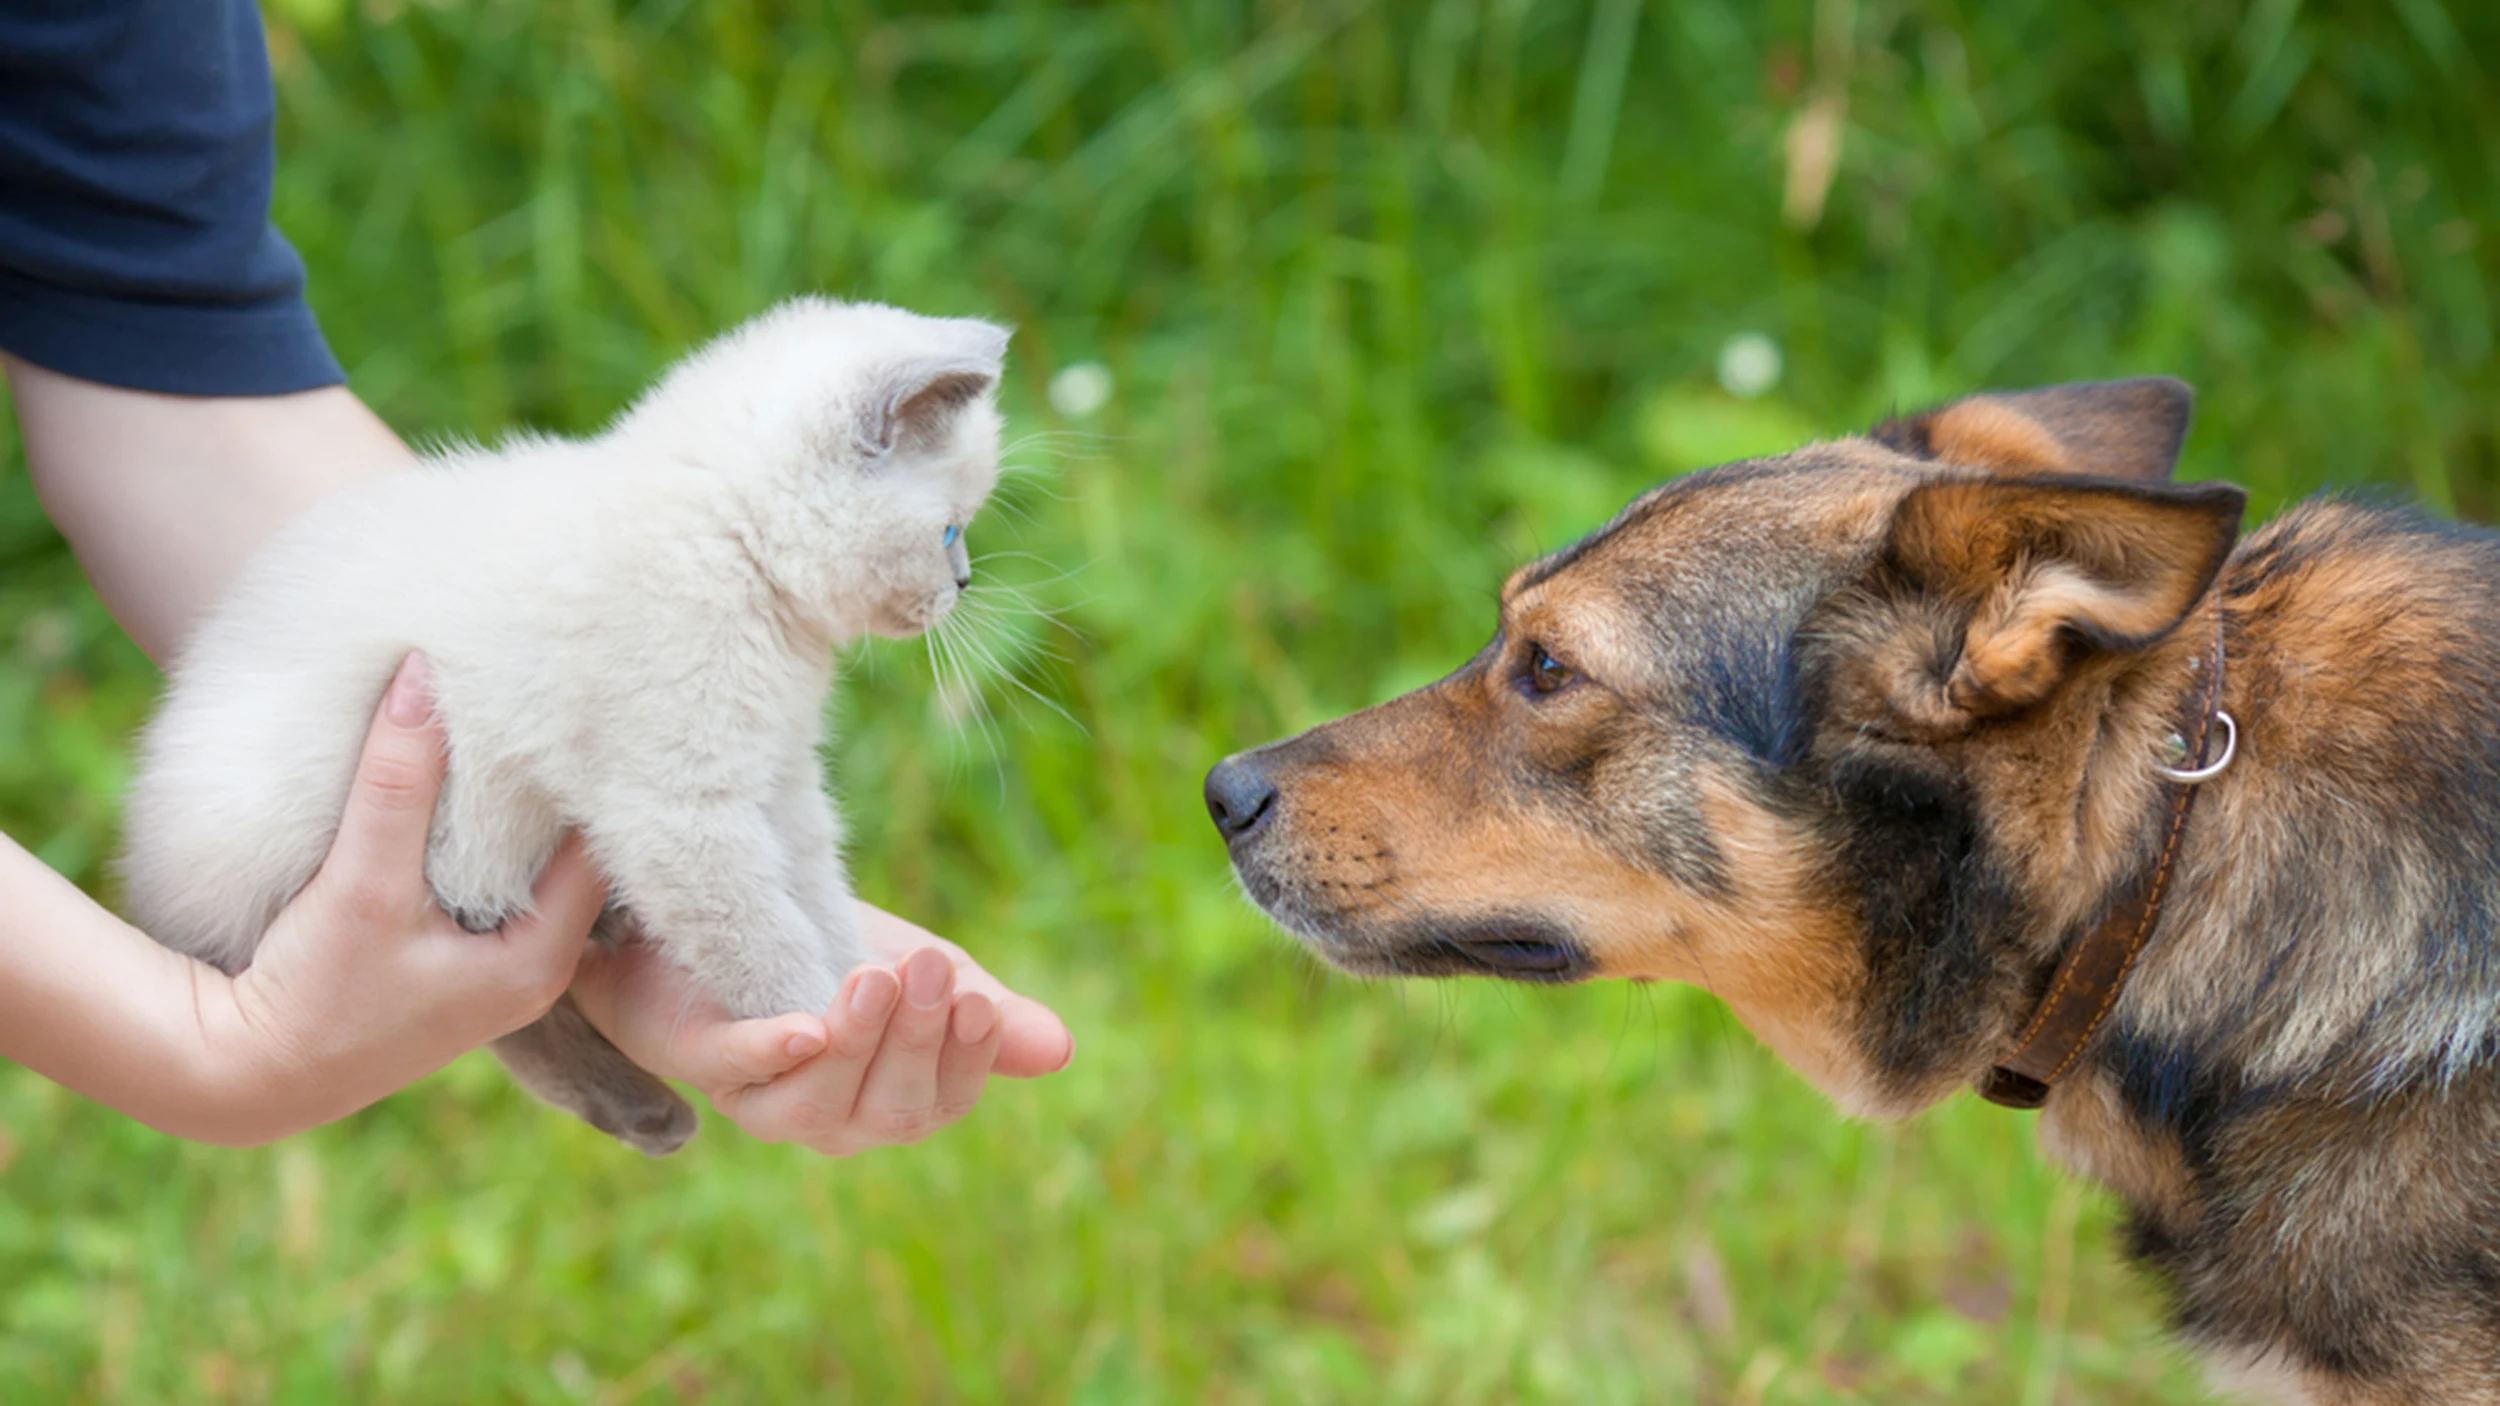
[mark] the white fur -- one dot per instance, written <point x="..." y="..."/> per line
<point x="2259" y="1380"/>
<point x="630" y="635"/>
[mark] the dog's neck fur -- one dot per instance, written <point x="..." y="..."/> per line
<point x="2325" y="985"/>
<point x="2298" y="1092"/>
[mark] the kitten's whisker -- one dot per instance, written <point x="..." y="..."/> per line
<point x="1000" y="603"/>
<point x="1019" y="648"/>
<point x="1005" y="601"/>
<point x="1015" y="617"/>
<point x="967" y="642"/>
<point x="982" y="650"/>
<point x="1024" y="587"/>
<point x="957" y="754"/>
<point x="1041" y="480"/>
<point x="1010" y="554"/>
<point x="1048" y="439"/>
<point x="968" y="700"/>
<point x="1059" y="444"/>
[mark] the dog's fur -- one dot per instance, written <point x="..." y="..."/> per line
<point x="1862" y="737"/>
<point x="630" y="635"/>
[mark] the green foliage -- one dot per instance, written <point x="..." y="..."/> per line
<point x="1393" y="296"/>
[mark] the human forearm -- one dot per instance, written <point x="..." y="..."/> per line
<point x="164" y="497"/>
<point x="92" y="1004"/>
<point x="360" y="986"/>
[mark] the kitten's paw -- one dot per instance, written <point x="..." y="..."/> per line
<point x="473" y="919"/>
<point x="802" y="993"/>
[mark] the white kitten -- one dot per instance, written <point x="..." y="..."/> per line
<point x="630" y="636"/>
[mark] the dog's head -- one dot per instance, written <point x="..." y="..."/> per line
<point x="1845" y="736"/>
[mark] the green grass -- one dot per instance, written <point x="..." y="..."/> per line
<point x="1395" y="296"/>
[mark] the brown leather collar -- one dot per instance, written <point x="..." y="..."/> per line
<point x="2095" y="969"/>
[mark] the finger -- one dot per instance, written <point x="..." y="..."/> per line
<point x="617" y="993"/>
<point x="563" y="904"/>
<point x="814" y="1102"/>
<point x="651" y="1010"/>
<point x="742" y="1053"/>
<point x="390" y="807"/>
<point x="964" y="1065"/>
<point x="899" y="1098"/>
<point x="1033" y="1041"/>
<point x="599" y="983"/>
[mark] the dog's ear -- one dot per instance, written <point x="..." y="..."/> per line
<point x="2045" y="569"/>
<point x="2111" y="429"/>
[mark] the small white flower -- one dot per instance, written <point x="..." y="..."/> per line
<point x="1080" y="390"/>
<point x="573" y="1374"/>
<point x="1749" y="365"/>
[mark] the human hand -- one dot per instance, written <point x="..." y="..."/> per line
<point x="905" y="1049"/>
<point x="362" y="984"/>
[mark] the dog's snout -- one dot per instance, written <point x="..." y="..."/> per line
<point x="1239" y="796"/>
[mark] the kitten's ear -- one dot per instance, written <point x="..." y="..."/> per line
<point x="2111" y="429"/>
<point x="917" y="400"/>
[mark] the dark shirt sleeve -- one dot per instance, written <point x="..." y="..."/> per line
<point x="136" y="158"/>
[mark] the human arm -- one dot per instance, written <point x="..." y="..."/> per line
<point x="360" y="986"/>
<point x="164" y="497"/>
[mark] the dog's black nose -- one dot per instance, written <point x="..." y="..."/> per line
<point x="1239" y="796"/>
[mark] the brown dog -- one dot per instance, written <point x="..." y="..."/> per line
<point x="1891" y="742"/>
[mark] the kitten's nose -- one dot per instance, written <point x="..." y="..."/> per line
<point x="963" y="578"/>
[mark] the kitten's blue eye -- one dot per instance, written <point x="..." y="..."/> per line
<point x="952" y="532"/>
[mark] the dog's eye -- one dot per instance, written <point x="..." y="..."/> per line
<point x="1545" y="672"/>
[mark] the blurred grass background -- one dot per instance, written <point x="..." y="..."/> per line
<point x="1390" y="296"/>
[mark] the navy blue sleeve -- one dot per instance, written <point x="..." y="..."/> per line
<point x="136" y="157"/>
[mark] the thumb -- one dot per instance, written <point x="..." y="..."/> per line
<point x="567" y="899"/>
<point x="649" y="1009"/>
<point x="742" y="1053"/>
<point x="390" y="808"/>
